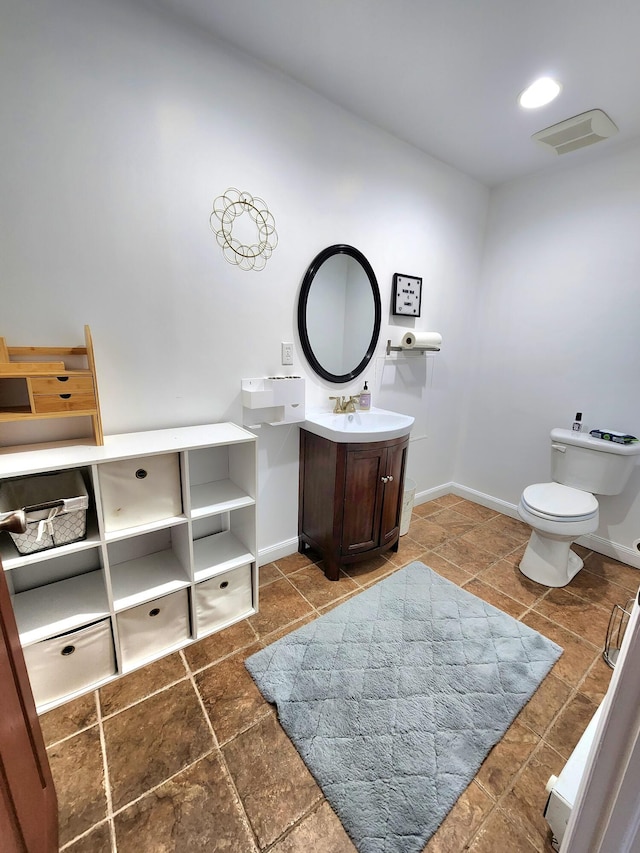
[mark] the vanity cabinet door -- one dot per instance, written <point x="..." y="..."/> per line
<point x="394" y="465"/>
<point x="363" y="498"/>
<point x="372" y="496"/>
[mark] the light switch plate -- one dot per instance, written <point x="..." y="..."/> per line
<point x="407" y="294"/>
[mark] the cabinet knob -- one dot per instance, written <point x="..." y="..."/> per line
<point x="390" y="478"/>
<point x="385" y="479"/>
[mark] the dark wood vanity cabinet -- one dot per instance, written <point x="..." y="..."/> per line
<point x="350" y="498"/>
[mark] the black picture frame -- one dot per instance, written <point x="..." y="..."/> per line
<point x="406" y="295"/>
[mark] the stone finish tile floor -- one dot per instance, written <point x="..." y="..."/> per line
<point x="185" y="755"/>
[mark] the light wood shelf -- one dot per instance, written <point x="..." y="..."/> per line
<point x="49" y="389"/>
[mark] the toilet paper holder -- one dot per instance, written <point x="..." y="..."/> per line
<point x="417" y="349"/>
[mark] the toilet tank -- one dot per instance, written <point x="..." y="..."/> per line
<point x="591" y="464"/>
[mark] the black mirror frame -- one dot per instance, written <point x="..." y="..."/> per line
<point x="316" y="263"/>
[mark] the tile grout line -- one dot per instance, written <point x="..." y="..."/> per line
<point x="87" y="833"/>
<point x="154" y="788"/>
<point x="108" y="819"/>
<point x="499" y="800"/>
<point x="525" y="764"/>
<point x="563" y="627"/>
<point x="199" y="669"/>
<point x="191" y="678"/>
<point x="73" y="734"/>
<point x="214" y="750"/>
<point x="223" y="760"/>
<point x="251" y="725"/>
<point x="311" y="810"/>
<point x="144" y="698"/>
<point x="107" y="780"/>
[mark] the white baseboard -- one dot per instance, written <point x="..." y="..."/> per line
<point x="627" y="555"/>
<point x="276" y="552"/>
<point x="485" y="500"/>
<point x="630" y="556"/>
<point x="432" y="494"/>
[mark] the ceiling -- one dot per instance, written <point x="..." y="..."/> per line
<point x="444" y="75"/>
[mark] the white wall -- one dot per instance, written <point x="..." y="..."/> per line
<point x="119" y="130"/>
<point x="558" y="322"/>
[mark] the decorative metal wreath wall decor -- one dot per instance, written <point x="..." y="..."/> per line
<point x="226" y="209"/>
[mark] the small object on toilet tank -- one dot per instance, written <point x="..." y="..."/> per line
<point x="577" y="424"/>
<point x="612" y="435"/>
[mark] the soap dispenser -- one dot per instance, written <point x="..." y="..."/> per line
<point x="365" y="398"/>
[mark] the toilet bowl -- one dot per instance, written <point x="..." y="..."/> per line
<point x="557" y="515"/>
<point x="558" y="512"/>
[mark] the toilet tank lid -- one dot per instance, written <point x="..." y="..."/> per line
<point x="582" y="439"/>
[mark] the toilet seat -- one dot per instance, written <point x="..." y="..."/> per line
<point x="555" y="502"/>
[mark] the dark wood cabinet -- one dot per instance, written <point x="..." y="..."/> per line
<point x="350" y="498"/>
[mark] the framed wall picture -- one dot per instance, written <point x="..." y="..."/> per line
<point x="406" y="294"/>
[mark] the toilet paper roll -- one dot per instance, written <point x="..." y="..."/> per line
<point x="415" y="340"/>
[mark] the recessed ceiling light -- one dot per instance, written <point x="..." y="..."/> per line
<point x="539" y="93"/>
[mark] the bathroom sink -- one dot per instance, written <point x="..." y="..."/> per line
<point x="374" y="425"/>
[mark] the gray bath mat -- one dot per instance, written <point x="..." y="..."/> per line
<point x="394" y="698"/>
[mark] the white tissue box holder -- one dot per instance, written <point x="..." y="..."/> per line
<point x="273" y="400"/>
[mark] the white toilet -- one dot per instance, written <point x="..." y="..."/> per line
<point x="561" y="511"/>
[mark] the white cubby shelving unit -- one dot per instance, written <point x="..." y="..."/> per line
<point x="170" y="554"/>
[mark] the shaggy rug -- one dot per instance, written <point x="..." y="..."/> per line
<point x="394" y="698"/>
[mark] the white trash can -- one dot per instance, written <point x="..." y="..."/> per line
<point x="407" y="505"/>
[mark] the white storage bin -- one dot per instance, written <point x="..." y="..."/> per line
<point x="140" y="490"/>
<point x="223" y="598"/>
<point x="149" y="629"/>
<point x="70" y="662"/>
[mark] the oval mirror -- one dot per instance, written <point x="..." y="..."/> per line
<point x="339" y="313"/>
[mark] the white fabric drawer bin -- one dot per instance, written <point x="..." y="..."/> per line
<point x="70" y="662"/>
<point x="137" y="491"/>
<point x="147" y="630"/>
<point x="223" y="598"/>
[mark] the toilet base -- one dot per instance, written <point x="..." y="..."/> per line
<point x="550" y="562"/>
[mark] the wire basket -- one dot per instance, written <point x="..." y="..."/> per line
<point x="55" y="506"/>
<point x="618" y="622"/>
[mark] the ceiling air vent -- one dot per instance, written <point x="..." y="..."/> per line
<point x="577" y="132"/>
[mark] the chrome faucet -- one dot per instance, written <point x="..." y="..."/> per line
<point x="344" y="405"/>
